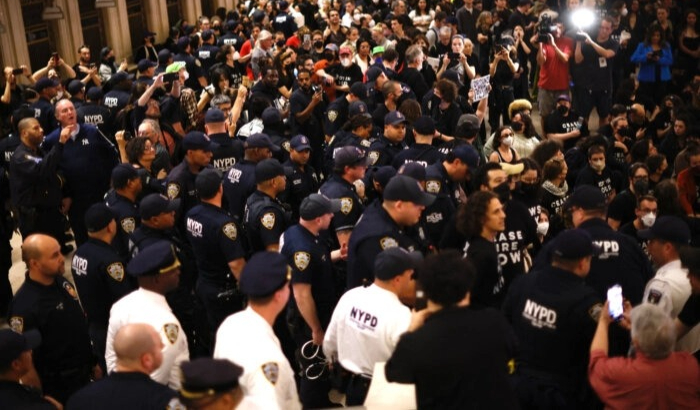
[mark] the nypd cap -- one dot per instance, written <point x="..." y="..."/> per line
<point x="265" y="273"/>
<point x="153" y="260"/>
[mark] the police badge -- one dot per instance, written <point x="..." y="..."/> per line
<point x="432" y="186"/>
<point x="171" y="331"/>
<point x="286" y="146"/>
<point x="301" y="260"/>
<point x="271" y="371"/>
<point x="374" y="156"/>
<point x="116" y="271"/>
<point x="388" y="242"/>
<point x="268" y="220"/>
<point x="128" y="224"/>
<point x="345" y="205"/>
<point x="17" y="324"/>
<point x="70" y="289"/>
<point x="332" y="115"/>
<point x="230" y="231"/>
<point x="173" y="190"/>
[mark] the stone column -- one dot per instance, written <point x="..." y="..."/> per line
<point x="68" y="31"/>
<point x="157" y="18"/>
<point x="13" y="42"/>
<point x="116" y="26"/>
<point x="191" y="10"/>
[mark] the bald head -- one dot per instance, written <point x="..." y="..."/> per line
<point x="132" y="342"/>
<point x="26" y="124"/>
<point x="35" y="245"/>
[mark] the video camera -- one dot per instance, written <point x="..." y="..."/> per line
<point x="545" y="28"/>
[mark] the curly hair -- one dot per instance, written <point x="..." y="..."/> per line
<point x="446" y="277"/>
<point x="470" y="216"/>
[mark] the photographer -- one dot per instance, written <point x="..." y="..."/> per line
<point x="502" y="71"/>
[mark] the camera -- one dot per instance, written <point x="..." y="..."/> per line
<point x="545" y="29"/>
<point x="453" y="56"/>
<point x="16" y="71"/>
<point x="580" y="37"/>
<point x="128" y="136"/>
<point x="315" y="88"/>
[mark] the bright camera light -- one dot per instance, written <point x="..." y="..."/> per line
<point x="582" y="18"/>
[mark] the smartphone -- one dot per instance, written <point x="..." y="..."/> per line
<point x="453" y="56"/>
<point x="17" y="71"/>
<point x="54" y="55"/>
<point x="421" y="302"/>
<point x="92" y="65"/>
<point x="307" y="38"/>
<point x="615" y="307"/>
<point x="170" y="77"/>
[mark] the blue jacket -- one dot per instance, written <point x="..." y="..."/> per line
<point x="647" y="68"/>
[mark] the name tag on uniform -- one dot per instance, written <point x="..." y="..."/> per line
<point x="602" y="62"/>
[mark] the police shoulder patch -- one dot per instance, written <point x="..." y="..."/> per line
<point x="332" y="115"/>
<point x="268" y="220"/>
<point x="388" y="242"/>
<point x="116" y="271"/>
<point x="17" y="324"/>
<point x="271" y="371"/>
<point x="128" y="224"/>
<point x="595" y="311"/>
<point x="432" y="186"/>
<point x="171" y="331"/>
<point x="230" y="231"/>
<point x="374" y="156"/>
<point x="286" y="146"/>
<point x="173" y="190"/>
<point x="365" y="143"/>
<point x="70" y="289"/>
<point x="346" y="205"/>
<point x="301" y="260"/>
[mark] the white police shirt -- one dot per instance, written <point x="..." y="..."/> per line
<point x="144" y="306"/>
<point x="669" y="288"/>
<point x="365" y="327"/>
<point x="246" y="339"/>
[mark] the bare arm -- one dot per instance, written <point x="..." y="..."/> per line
<point x="143" y="100"/>
<point x="236" y="267"/>
<point x="307" y="308"/>
<point x="600" y="339"/>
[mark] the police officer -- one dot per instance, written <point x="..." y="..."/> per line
<point x="304" y="179"/>
<point x="307" y="105"/>
<point x="43" y="109"/>
<point x="157" y="222"/>
<point x="382" y="227"/>
<point x="180" y="182"/>
<point x="137" y="347"/>
<point x="217" y="247"/>
<point x="196" y="80"/>
<point x="100" y="275"/>
<point x="239" y="182"/>
<point x="16" y="364"/>
<point x="346" y="340"/>
<point x="313" y="287"/>
<point x="336" y="114"/>
<point x="119" y="94"/>
<point x="275" y="128"/>
<point x="157" y="270"/>
<point x="87" y="164"/>
<point x="554" y="316"/>
<point x="35" y="185"/>
<point x="211" y="382"/>
<point x="246" y="337"/>
<point x="147" y="69"/>
<point x="49" y="303"/>
<point x="349" y="165"/>
<point x="265" y="216"/>
<point x="93" y="112"/>
<point x="76" y="89"/>
<point x="284" y="22"/>
<point x="206" y="53"/>
<point x="230" y="150"/>
<point x="422" y="151"/>
<point x="127" y="187"/>
<point x="383" y="150"/>
<point x="356" y="132"/>
<point x="443" y="180"/>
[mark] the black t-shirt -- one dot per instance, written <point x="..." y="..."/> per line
<point x="557" y="123"/>
<point x="622" y="207"/>
<point x="595" y="72"/>
<point x="503" y="75"/>
<point x="489" y="287"/>
<point x="690" y="315"/>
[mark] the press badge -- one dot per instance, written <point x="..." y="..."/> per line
<point x="602" y="62"/>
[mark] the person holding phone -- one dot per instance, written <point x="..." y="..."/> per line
<point x="554" y="313"/>
<point x="655" y="58"/>
<point x="654" y="374"/>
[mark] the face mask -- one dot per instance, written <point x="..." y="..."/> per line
<point x="641" y="187"/>
<point x="318" y="44"/>
<point x="280" y="44"/>
<point x="562" y="109"/>
<point x="111" y="60"/>
<point x="598" y="165"/>
<point x="508" y="141"/>
<point x="542" y="228"/>
<point x="503" y="192"/>
<point x="529" y="189"/>
<point x="648" y="220"/>
<point x="378" y="60"/>
<point x="624" y="131"/>
<point x="517" y="126"/>
<point x="346" y="62"/>
<point x="186" y="75"/>
<point x="59" y="95"/>
<point x="624" y="12"/>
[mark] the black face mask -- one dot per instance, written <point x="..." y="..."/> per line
<point x="517" y="126"/>
<point x="641" y="187"/>
<point x="624" y="131"/>
<point x="503" y="192"/>
<point x="318" y="44"/>
<point x="529" y="189"/>
<point x="280" y="43"/>
<point x="562" y="109"/>
<point x="111" y="60"/>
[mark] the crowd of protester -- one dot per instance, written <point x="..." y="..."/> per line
<point x="327" y="165"/>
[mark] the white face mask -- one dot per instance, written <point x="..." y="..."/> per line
<point x="598" y="165"/>
<point x="508" y="141"/>
<point x="59" y="95"/>
<point x="542" y="228"/>
<point x="186" y="75"/>
<point x="648" y="220"/>
<point x="624" y="12"/>
<point x="346" y="62"/>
